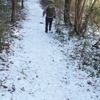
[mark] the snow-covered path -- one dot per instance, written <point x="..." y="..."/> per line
<point x="38" y="69"/>
<point x="37" y="61"/>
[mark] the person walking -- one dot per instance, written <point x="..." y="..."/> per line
<point x="50" y="12"/>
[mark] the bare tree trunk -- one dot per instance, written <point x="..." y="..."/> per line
<point x="22" y="4"/>
<point x="79" y="8"/>
<point x="84" y="25"/>
<point x="80" y="23"/>
<point x="13" y="10"/>
<point x="67" y="12"/>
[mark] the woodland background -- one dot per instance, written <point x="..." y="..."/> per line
<point x="75" y="19"/>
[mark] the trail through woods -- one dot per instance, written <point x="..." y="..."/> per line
<point x="38" y="69"/>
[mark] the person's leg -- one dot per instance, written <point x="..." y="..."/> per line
<point x="46" y="24"/>
<point x="50" y="23"/>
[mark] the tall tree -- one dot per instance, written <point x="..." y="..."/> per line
<point x="13" y="10"/>
<point x="22" y="4"/>
<point x="85" y="23"/>
<point x="67" y="12"/>
<point x="80" y="25"/>
<point x="79" y="8"/>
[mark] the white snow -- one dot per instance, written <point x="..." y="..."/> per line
<point x="38" y="69"/>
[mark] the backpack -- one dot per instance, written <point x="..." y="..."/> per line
<point x="50" y="10"/>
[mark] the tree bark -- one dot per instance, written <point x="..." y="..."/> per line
<point x="67" y="12"/>
<point x="79" y="8"/>
<point x="84" y="25"/>
<point x="13" y="10"/>
<point x="80" y="26"/>
<point x="22" y="4"/>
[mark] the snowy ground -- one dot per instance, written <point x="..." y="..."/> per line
<point x="37" y="68"/>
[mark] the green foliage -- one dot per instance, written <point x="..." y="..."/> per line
<point x="5" y="18"/>
<point x="95" y="17"/>
<point x="1" y="32"/>
<point x="89" y="57"/>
